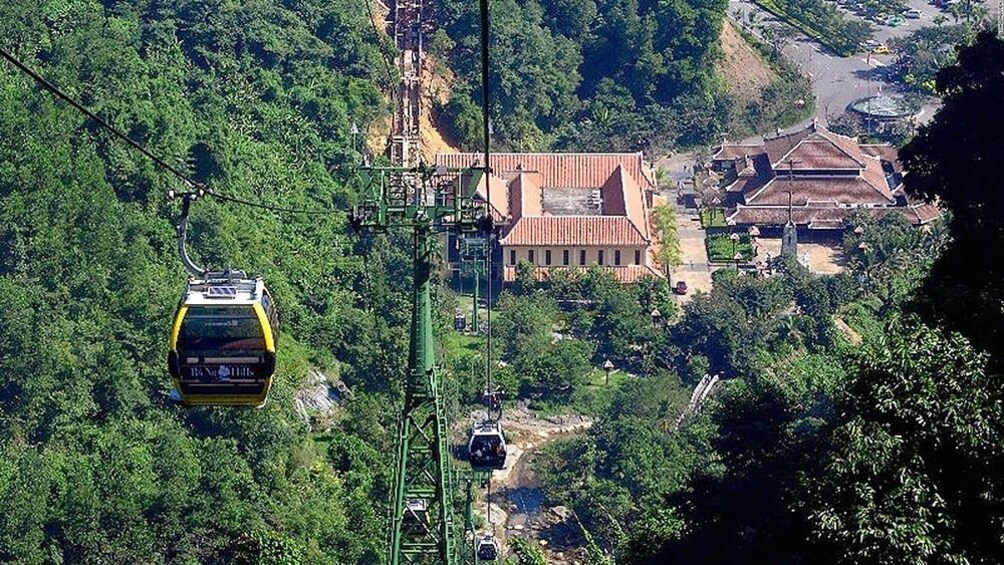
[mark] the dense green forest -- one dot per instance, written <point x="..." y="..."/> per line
<point x="878" y="443"/>
<point x="255" y="98"/>
<point x="588" y="75"/>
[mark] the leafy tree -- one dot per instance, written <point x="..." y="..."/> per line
<point x="912" y="474"/>
<point x="948" y="163"/>
<point x="664" y="222"/>
<point x="596" y="75"/>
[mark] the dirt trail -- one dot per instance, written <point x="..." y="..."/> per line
<point x="517" y="496"/>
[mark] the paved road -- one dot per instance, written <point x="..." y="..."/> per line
<point x="838" y="81"/>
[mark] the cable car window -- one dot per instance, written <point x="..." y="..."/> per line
<point x="221" y="328"/>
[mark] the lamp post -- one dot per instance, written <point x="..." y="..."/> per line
<point x="656" y="317"/>
<point x="607" y="367"/>
<point x="735" y="240"/>
<point x="738" y="257"/>
<point x="754" y="233"/>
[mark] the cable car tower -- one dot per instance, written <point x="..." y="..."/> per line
<point x="425" y="200"/>
<point x="474" y="259"/>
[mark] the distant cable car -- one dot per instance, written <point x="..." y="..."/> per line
<point x="222" y="345"/>
<point x="488" y="548"/>
<point x="416" y="516"/>
<point x="487" y="449"/>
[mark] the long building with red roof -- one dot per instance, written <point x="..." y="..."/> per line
<point x="817" y="177"/>
<point x="568" y="210"/>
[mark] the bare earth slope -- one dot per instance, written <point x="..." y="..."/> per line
<point x="746" y="74"/>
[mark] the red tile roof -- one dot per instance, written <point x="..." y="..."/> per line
<point x="574" y="231"/>
<point x="733" y="152"/>
<point x="777" y="147"/>
<point x="526" y="197"/>
<point x="925" y="213"/>
<point x="622" y="197"/>
<point x="623" y="273"/>
<point x="814" y="147"/>
<point x="885" y="153"/>
<point x="817" y="152"/>
<point x="499" y="197"/>
<point x="557" y="170"/>
<point x="838" y="190"/>
<point x="825" y="217"/>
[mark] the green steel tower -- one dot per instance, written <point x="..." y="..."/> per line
<point x="425" y="200"/>
<point x="474" y="259"/>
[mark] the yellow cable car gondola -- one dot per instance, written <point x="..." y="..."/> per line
<point x="223" y="340"/>
<point x="222" y="347"/>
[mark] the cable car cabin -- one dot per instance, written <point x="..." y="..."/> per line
<point x="487" y="449"/>
<point x="488" y="548"/>
<point x="416" y="516"/>
<point x="222" y="347"/>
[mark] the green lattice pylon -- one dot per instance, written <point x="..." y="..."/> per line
<point x="474" y="259"/>
<point x="426" y="200"/>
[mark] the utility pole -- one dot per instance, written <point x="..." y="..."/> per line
<point x="426" y="201"/>
<point x="789" y="237"/>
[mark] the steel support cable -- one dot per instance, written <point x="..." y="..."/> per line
<point x="486" y="126"/>
<point x="184" y="177"/>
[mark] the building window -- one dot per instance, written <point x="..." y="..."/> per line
<point x="582" y="257"/>
<point x="529" y="256"/>
<point x="564" y="257"/>
<point x="599" y="256"/>
<point x="547" y="257"/>
<point x="617" y="257"/>
<point x="637" y="257"/>
<point x="512" y="256"/>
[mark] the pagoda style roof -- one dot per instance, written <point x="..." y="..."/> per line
<point x="825" y="177"/>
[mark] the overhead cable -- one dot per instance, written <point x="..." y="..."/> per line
<point x="187" y="179"/>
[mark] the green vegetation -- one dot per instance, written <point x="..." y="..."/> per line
<point x="589" y="75"/>
<point x="721" y="248"/>
<point x="527" y="553"/>
<point x="257" y="99"/>
<point x="823" y="22"/>
<point x="964" y="280"/>
<point x="788" y="99"/>
<point x="924" y="52"/>
<point x="816" y="450"/>
<point x="811" y="450"/>
<point x="669" y="255"/>
<point x="713" y="218"/>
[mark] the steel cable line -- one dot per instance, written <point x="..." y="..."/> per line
<point x="486" y="125"/>
<point x="187" y="179"/>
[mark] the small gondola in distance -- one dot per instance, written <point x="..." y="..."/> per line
<point x="487" y="447"/>
<point x="488" y="548"/>
<point x="223" y="342"/>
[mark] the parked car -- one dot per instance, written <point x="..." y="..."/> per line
<point x="680" y="288"/>
<point x="882" y="49"/>
<point x="913" y="14"/>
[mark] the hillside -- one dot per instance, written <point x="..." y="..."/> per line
<point x="746" y="73"/>
<point x="585" y="75"/>
<point x="255" y="99"/>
